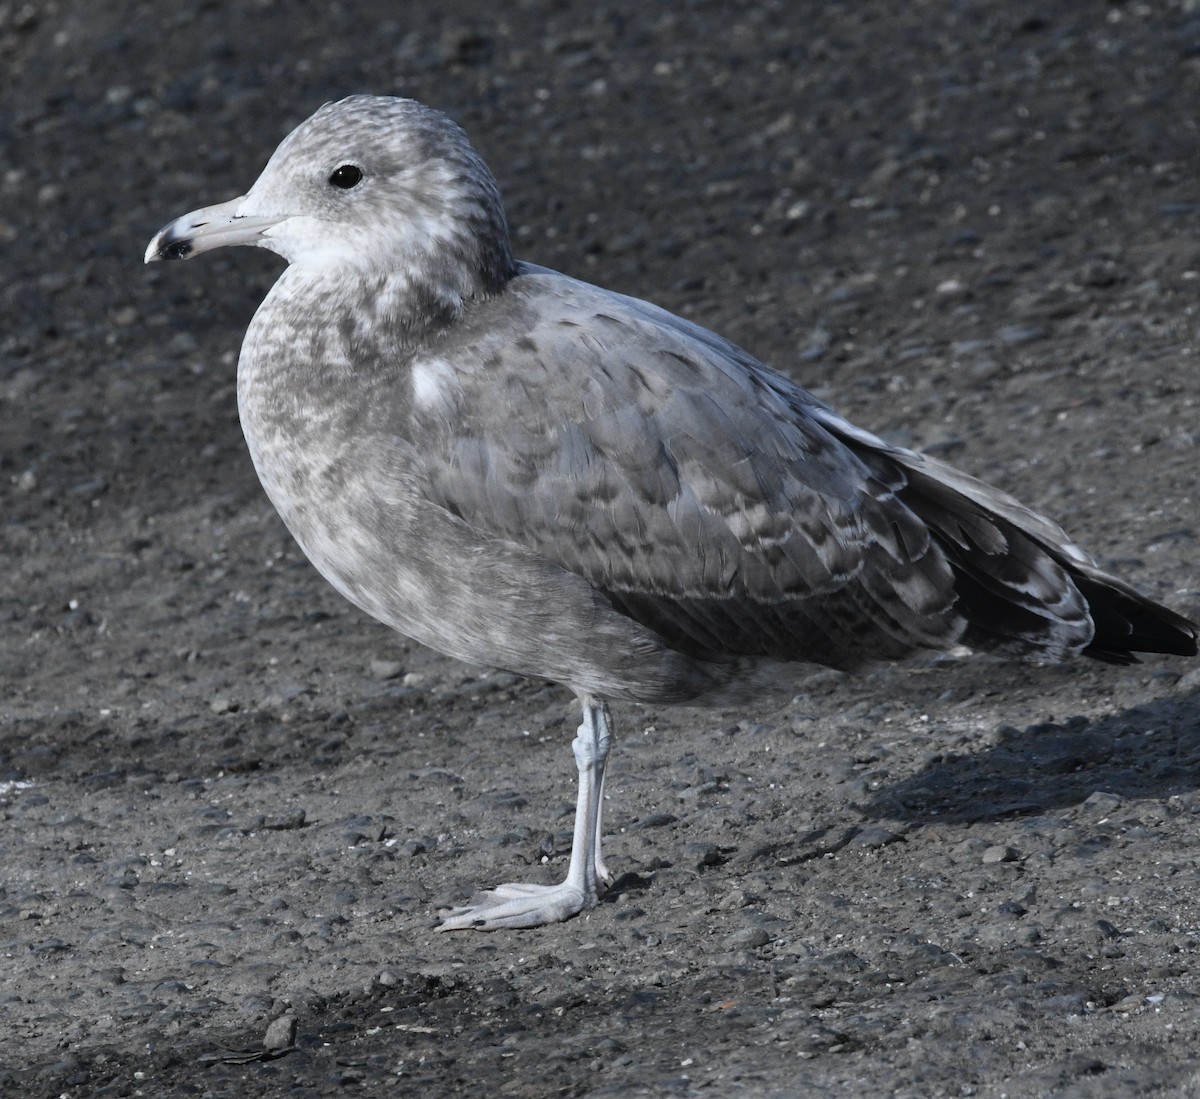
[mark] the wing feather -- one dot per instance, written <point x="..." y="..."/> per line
<point x="683" y="480"/>
<point x="730" y="511"/>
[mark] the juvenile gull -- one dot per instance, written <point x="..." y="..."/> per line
<point x="526" y="471"/>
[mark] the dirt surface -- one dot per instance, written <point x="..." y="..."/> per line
<point x="227" y="798"/>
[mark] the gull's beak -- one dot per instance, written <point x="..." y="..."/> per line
<point x="204" y="230"/>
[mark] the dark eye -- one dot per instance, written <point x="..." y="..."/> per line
<point x="346" y="176"/>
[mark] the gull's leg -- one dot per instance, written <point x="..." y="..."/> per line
<point x="603" y="874"/>
<point x="524" y="905"/>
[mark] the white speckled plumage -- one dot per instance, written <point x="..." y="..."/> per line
<point x="523" y="470"/>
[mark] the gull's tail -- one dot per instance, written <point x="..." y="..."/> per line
<point x="1012" y="590"/>
<point x="1023" y="587"/>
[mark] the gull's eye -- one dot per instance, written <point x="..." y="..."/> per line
<point x="347" y="176"/>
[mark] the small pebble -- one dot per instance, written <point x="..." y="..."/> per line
<point x="285" y="821"/>
<point x="876" y="836"/>
<point x="281" y="1034"/>
<point x="748" y="938"/>
<point x="999" y="854"/>
<point x="1101" y="803"/>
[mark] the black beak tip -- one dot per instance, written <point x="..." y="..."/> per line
<point x="176" y="249"/>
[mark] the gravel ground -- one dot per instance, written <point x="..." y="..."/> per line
<point x="229" y="800"/>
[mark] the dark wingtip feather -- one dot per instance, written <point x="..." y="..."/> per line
<point x="992" y="578"/>
<point x="1127" y="622"/>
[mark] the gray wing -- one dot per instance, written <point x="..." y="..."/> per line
<point x="687" y="483"/>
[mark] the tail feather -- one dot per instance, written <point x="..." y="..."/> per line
<point x="1127" y="622"/>
<point x="995" y="588"/>
<point x="1023" y="586"/>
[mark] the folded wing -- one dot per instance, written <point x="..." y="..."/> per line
<point x="726" y="508"/>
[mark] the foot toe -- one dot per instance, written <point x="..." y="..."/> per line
<point x="516" y="904"/>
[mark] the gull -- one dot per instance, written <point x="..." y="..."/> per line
<point x="526" y="471"/>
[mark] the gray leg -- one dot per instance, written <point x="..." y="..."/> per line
<point x="603" y="874"/>
<point x="524" y="905"/>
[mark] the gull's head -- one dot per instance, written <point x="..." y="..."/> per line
<point x="370" y="183"/>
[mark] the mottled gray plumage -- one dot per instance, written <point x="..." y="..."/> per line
<point x="526" y="471"/>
